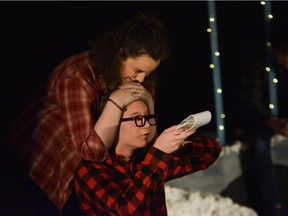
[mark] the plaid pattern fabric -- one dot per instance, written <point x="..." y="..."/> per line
<point x="116" y="187"/>
<point x="57" y="129"/>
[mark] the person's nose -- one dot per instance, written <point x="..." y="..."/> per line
<point x="140" y="77"/>
<point x="146" y="125"/>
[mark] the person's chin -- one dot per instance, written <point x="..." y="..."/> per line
<point x="143" y="144"/>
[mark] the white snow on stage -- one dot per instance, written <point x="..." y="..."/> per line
<point x="184" y="203"/>
<point x="198" y="194"/>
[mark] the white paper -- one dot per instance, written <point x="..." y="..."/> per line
<point x="195" y="121"/>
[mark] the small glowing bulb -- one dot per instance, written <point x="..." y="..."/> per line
<point x="268" y="44"/>
<point x="270" y="16"/>
<point x="271" y="106"/>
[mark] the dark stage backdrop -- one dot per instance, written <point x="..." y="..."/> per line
<point x="36" y="36"/>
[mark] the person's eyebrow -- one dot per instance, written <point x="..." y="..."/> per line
<point x="137" y="113"/>
<point x="138" y="69"/>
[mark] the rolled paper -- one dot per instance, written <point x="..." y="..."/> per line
<point x="196" y="120"/>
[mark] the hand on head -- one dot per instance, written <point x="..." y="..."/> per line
<point x="136" y="89"/>
<point x="128" y="92"/>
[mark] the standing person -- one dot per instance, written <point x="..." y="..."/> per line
<point x="131" y="181"/>
<point x="260" y="124"/>
<point x="63" y="122"/>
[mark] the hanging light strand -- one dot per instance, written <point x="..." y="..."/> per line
<point x="215" y="67"/>
<point x="268" y="17"/>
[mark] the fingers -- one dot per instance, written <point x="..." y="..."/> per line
<point x="170" y="140"/>
<point x="131" y="86"/>
<point x="180" y="136"/>
<point x="186" y="142"/>
<point x="181" y="132"/>
<point x="136" y="89"/>
<point x="125" y="97"/>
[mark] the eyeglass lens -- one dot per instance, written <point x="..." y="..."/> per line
<point x="141" y="120"/>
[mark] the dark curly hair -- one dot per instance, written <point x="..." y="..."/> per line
<point x="144" y="34"/>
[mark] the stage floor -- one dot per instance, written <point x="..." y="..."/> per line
<point x="225" y="175"/>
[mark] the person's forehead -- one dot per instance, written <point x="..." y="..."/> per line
<point x="143" y="62"/>
<point x="136" y="107"/>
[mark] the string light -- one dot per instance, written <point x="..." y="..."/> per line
<point x="270" y="67"/>
<point x="271" y="106"/>
<point x="215" y="67"/>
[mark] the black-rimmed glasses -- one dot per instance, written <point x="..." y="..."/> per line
<point x="140" y="120"/>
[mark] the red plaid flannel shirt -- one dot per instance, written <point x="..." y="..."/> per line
<point x="56" y="130"/>
<point x="116" y="187"/>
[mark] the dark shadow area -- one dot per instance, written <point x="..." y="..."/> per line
<point x="15" y="187"/>
<point x="242" y="192"/>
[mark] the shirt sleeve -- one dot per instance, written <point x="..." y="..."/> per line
<point x="195" y="156"/>
<point x="122" y="193"/>
<point x="77" y="107"/>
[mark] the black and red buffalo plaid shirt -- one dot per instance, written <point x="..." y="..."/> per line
<point x="116" y="187"/>
<point x="57" y="129"/>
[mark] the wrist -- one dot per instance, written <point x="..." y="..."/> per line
<point x="116" y="104"/>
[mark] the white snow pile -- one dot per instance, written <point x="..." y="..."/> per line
<point x="183" y="203"/>
<point x="237" y="146"/>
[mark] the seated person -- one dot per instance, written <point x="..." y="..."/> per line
<point x="131" y="181"/>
